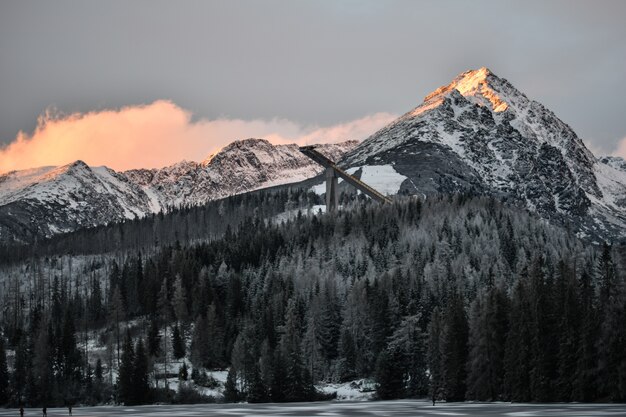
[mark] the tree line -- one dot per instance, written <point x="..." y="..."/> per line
<point x="456" y="298"/>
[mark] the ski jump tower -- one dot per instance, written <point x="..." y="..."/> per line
<point x="333" y="173"/>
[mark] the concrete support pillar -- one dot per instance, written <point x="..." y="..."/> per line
<point x="332" y="193"/>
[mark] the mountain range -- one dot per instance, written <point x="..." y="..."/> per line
<point x="478" y="134"/>
<point x="42" y="202"/>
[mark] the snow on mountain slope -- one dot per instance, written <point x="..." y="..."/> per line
<point x="383" y="178"/>
<point x="41" y="202"/>
<point x="44" y="201"/>
<point x="480" y="133"/>
<point x="242" y="166"/>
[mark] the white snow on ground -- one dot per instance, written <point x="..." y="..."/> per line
<point x="612" y="183"/>
<point x="383" y="178"/>
<point x="359" y="390"/>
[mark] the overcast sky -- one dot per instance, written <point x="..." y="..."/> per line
<point x="314" y="64"/>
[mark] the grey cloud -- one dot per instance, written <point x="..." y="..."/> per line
<point x="316" y="62"/>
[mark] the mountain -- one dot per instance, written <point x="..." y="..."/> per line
<point x="41" y="202"/>
<point x="480" y="134"/>
<point x="241" y="166"/>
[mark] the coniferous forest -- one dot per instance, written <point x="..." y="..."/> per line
<point x="453" y="297"/>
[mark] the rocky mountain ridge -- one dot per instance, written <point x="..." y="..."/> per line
<point x="44" y="201"/>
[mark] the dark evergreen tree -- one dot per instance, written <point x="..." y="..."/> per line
<point x="389" y="376"/>
<point x="125" y="383"/>
<point x="290" y="351"/>
<point x="154" y="340"/>
<point x="518" y="351"/>
<point x="435" y="356"/>
<point x="568" y="332"/>
<point x="585" y="386"/>
<point x="141" y="388"/>
<point x="183" y="372"/>
<point x="487" y="341"/>
<point x="231" y="392"/>
<point x="4" y="373"/>
<point x="257" y="392"/>
<point x="178" y="343"/>
<point x="20" y="371"/>
<point x="455" y="351"/>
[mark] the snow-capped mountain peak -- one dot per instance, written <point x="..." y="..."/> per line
<point x="479" y="86"/>
<point x="479" y="132"/>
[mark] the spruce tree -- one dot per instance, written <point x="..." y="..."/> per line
<point x="231" y="392"/>
<point x="487" y="340"/>
<point x="125" y="383"/>
<point x="200" y="349"/>
<point x="183" y="372"/>
<point x="154" y="340"/>
<point x="290" y="346"/>
<point x="389" y="376"/>
<point x="141" y="388"/>
<point x="455" y="351"/>
<point x="568" y="332"/>
<point x="518" y="351"/>
<point x="4" y="373"/>
<point x="257" y="391"/>
<point x="178" y="343"/>
<point x="585" y="386"/>
<point x="435" y="355"/>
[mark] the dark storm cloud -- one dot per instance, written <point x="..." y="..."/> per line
<point x="315" y="63"/>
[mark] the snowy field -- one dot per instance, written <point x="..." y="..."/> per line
<point x="379" y="408"/>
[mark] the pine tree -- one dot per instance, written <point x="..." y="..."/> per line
<point x="42" y="371"/>
<point x="435" y="355"/>
<point x="389" y="376"/>
<point x="290" y="350"/>
<point x="164" y="309"/>
<point x="154" y="340"/>
<point x="487" y="340"/>
<point x="568" y="332"/>
<point x="200" y="349"/>
<point x="587" y="358"/>
<point x="455" y="351"/>
<point x="4" y="373"/>
<point x="180" y="301"/>
<point x="407" y="353"/>
<point x="178" y="344"/>
<point x="125" y="383"/>
<point x="256" y="388"/>
<point x="231" y="392"/>
<point x="116" y="316"/>
<point x="141" y="389"/>
<point x="20" y="370"/>
<point x="183" y="372"/>
<point x="612" y="343"/>
<point x="518" y="351"/>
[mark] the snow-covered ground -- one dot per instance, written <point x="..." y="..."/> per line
<point x="378" y="408"/>
<point x="383" y="178"/>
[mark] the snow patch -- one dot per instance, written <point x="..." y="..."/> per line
<point x="383" y="178"/>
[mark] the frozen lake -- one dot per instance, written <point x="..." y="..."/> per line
<point x="379" y="408"/>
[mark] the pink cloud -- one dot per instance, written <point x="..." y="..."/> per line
<point x="159" y="134"/>
<point x="621" y="149"/>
